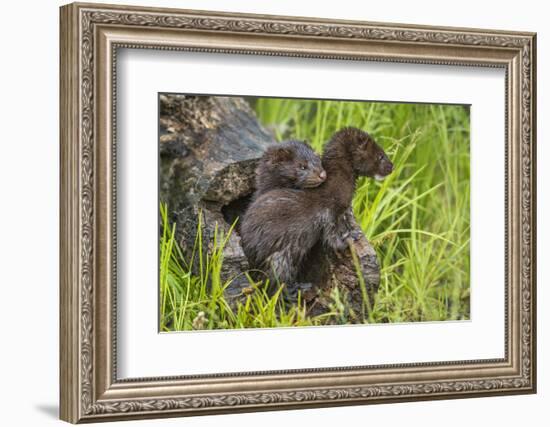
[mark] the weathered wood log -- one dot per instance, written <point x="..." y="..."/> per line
<point x="329" y="271"/>
<point x="209" y="148"/>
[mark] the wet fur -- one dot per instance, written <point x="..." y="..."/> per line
<point x="281" y="226"/>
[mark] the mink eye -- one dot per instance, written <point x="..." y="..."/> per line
<point x="303" y="167"/>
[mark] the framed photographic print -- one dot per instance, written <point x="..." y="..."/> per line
<point x="266" y="212"/>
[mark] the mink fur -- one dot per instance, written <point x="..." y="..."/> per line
<point x="282" y="225"/>
<point x="291" y="164"/>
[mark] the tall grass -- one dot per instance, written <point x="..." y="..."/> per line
<point x="418" y="220"/>
<point x="193" y="297"/>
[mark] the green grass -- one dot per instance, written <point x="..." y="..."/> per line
<point x="418" y="220"/>
<point x="196" y="301"/>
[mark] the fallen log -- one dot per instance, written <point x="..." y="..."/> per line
<point x="209" y="148"/>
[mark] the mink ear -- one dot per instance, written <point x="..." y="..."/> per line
<point x="284" y="154"/>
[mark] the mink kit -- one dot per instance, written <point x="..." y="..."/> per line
<point x="279" y="212"/>
<point x="281" y="227"/>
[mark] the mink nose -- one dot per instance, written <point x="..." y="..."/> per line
<point x="323" y="175"/>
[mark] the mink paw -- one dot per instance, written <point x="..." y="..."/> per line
<point x="354" y="235"/>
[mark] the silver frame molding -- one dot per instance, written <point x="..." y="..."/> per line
<point x="90" y="37"/>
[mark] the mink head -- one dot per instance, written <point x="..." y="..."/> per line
<point x="367" y="158"/>
<point x="291" y="164"/>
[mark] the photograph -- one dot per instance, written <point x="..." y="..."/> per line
<point x="287" y="212"/>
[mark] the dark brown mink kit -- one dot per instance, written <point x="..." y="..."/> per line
<point x="282" y="225"/>
<point x="290" y="164"/>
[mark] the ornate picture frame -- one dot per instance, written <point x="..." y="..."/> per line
<point x="90" y="37"/>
